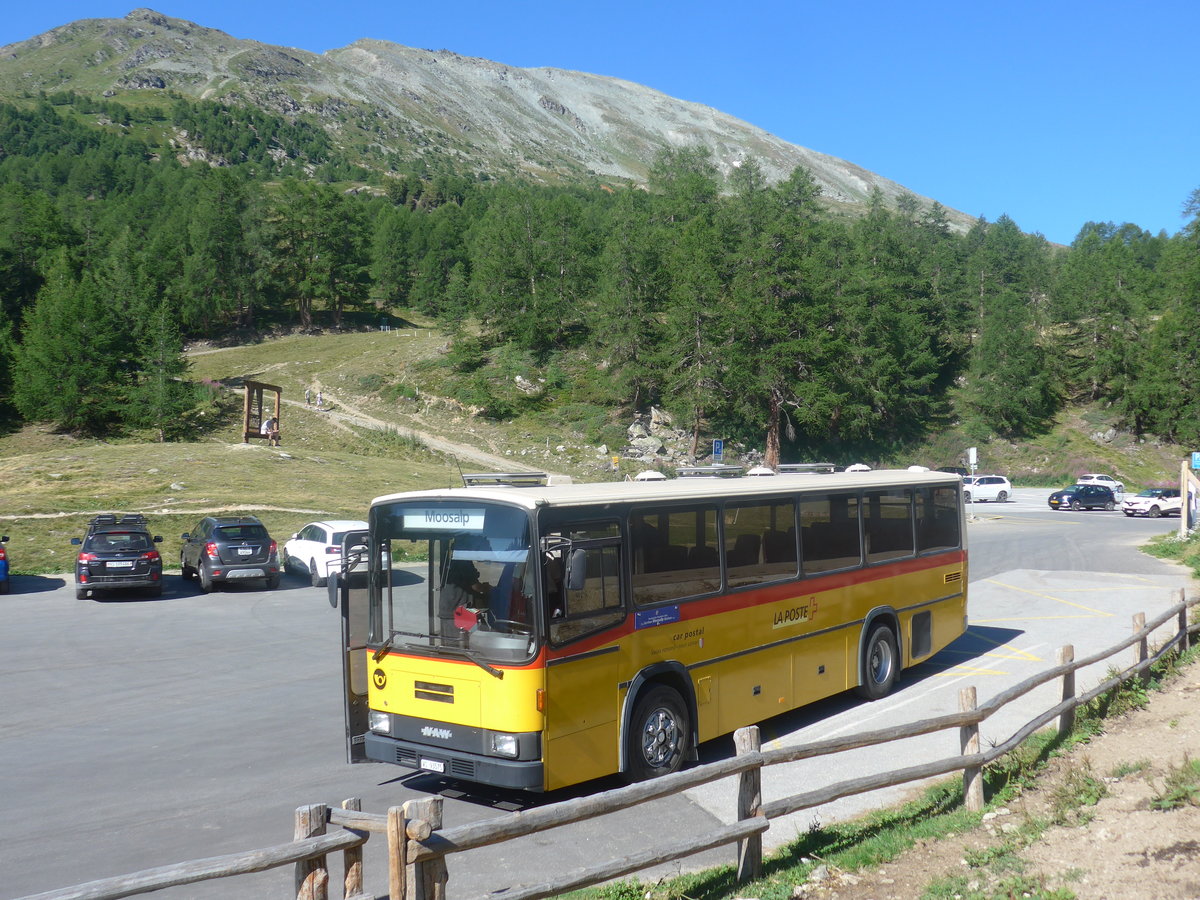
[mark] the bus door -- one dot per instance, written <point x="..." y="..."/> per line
<point x="584" y="607"/>
<point x="348" y="590"/>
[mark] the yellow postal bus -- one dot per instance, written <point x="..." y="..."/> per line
<point x="534" y="636"/>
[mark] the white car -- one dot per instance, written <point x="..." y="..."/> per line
<point x="316" y="549"/>
<point x="1154" y="502"/>
<point x="1104" y="481"/>
<point x="987" y="487"/>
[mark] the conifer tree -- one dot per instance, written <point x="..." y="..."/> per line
<point x="776" y="320"/>
<point x="67" y="370"/>
<point x="693" y="250"/>
<point x="628" y="297"/>
<point x="216" y="286"/>
<point x="389" y="254"/>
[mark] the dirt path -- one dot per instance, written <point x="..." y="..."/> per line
<point x="344" y="414"/>
<point x="1119" y="849"/>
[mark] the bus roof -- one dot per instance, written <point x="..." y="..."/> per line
<point x="680" y="489"/>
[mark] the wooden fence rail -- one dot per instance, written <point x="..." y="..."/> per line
<point x="206" y="869"/>
<point x="418" y="846"/>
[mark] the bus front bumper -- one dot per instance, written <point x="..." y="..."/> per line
<point x="509" y="773"/>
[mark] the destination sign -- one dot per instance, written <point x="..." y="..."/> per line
<point x="443" y="518"/>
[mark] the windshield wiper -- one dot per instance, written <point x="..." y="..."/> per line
<point x="460" y="652"/>
<point x="463" y="653"/>
<point x="388" y="644"/>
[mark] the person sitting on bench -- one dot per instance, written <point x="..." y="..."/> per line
<point x="270" y="430"/>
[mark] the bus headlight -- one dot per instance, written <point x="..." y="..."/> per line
<point x="379" y="722"/>
<point x="505" y="744"/>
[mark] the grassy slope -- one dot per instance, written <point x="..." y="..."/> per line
<point x="50" y="484"/>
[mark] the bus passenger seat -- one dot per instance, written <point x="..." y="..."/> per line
<point x="745" y="550"/>
<point x="779" y="546"/>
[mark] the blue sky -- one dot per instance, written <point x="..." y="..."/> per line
<point x="1054" y="113"/>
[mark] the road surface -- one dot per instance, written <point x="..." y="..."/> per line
<point x="137" y="733"/>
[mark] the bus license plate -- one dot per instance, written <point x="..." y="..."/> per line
<point x="433" y="765"/>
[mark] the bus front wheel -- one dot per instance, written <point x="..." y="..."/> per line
<point x="880" y="663"/>
<point x="658" y="734"/>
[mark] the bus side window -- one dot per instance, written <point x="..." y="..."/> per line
<point x="889" y="524"/>
<point x="830" y="533"/>
<point x="937" y="519"/>
<point x="760" y="542"/>
<point x="675" y="556"/>
<point x="593" y="602"/>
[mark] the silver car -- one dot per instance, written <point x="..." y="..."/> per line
<point x="987" y="487"/>
<point x="1153" y="503"/>
<point x="1104" y="481"/>
<point x="315" y="551"/>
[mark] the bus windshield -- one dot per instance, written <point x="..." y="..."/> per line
<point x="459" y="582"/>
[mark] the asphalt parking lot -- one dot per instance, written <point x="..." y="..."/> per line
<point x="140" y="732"/>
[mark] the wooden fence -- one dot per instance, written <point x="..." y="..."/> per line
<point x="418" y="847"/>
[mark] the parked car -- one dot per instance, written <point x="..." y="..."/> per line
<point x="229" y="548"/>
<point x="316" y="549"/>
<point x="987" y="487"/>
<point x="5" y="586"/>
<point x="1104" y="480"/>
<point x="1083" y="496"/>
<point x="1154" y="502"/>
<point x="953" y="470"/>
<point x="118" y="554"/>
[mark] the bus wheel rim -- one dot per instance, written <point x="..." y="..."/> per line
<point x="660" y="738"/>
<point x="881" y="662"/>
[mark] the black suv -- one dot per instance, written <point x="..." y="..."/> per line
<point x="118" y="553"/>
<point x="1083" y="496"/>
<point x="229" y="548"/>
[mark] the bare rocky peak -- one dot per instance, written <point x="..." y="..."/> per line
<point x="543" y="123"/>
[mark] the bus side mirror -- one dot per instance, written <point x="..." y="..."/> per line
<point x="576" y="570"/>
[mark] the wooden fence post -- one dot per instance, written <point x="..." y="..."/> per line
<point x="429" y="877"/>
<point x="397" y="854"/>
<point x="1066" y="722"/>
<point x="312" y="875"/>
<point x="1184" y="643"/>
<point x="1143" y="647"/>
<point x="352" y="858"/>
<point x="969" y="741"/>
<point x="749" y="805"/>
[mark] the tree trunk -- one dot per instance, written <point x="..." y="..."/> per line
<point x="774" y="405"/>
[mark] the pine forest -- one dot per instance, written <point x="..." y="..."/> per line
<point x="750" y="310"/>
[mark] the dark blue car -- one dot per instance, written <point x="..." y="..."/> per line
<point x="1083" y="496"/>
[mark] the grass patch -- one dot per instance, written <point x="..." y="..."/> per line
<point x="1080" y="790"/>
<point x="1171" y="546"/>
<point x="50" y="494"/>
<point x="1181" y="787"/>
<point x="1130" y="768"/>
<point x="964" y="888"/>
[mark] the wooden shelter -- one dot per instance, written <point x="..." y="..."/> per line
<point x="252" y="409"/>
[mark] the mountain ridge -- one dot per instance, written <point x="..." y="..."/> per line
<point x="395" y="105"/>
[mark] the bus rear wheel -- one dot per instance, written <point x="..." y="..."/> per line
<point x="658" y="735"/>
<point x="880" y="663"/>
